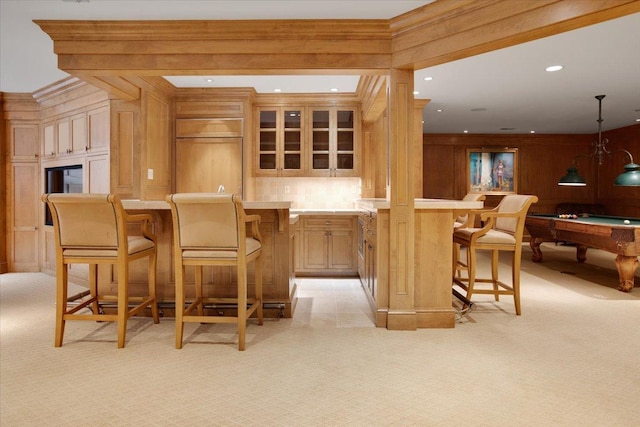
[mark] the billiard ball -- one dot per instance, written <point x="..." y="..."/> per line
<point x="626" y="221"/>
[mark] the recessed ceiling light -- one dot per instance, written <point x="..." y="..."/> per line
<point x="554" y="68"/>
<point x="428" y="78"/>
<point x="209" y="80"/>
<point x="277" y="90"/>
<point x="334" y="89"/>
<point x="637" y="120"/>
<point x="532" y="131"/>
<point x="415" y="92"/>
<point x="465" y="131"/>
<point x="439" y="110"/>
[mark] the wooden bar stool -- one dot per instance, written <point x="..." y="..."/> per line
<point x="92" y="229"/>
<point x="502" y="231"/>
<point x="211" y="229"/>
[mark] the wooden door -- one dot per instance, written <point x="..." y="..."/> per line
<point x="23" y="217"/>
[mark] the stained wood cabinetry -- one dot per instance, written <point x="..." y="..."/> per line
<point x="307" y="141"/>
<point x="81" y="133"/>
<point x="22" y="191"/>
<point x="334" y="142"/>
<point x="367" y="242"/>
<point x="328" y="245"/>
<point x="279" y="141"/>
<point x="209" y="154"/>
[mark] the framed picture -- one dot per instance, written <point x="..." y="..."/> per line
<point x="492" y="170"/>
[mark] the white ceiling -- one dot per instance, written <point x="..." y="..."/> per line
<point x="509" y="86"/>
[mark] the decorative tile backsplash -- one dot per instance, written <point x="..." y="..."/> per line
<point x="310" y="193"/>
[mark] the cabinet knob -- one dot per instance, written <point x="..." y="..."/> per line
<point x="327" y="223"/>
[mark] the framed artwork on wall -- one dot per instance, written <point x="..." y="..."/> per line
<point x="492" y="170"/>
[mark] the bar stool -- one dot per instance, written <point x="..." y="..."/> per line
<point x="502" y="231"/>
<point x="92" y="229"/>
<point x="211" y="229"/>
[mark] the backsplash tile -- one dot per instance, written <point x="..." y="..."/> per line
<point x="310" y="193"/>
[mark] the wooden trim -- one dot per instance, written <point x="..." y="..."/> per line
<point x="448" y="30"/>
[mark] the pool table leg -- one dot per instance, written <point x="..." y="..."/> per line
<point x="581" y="252"/>
<point x="535" y="242"/>
<point x="626" y="269"/>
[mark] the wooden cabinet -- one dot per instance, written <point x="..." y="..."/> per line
<point x="98" y="130"/>
<point x="23" y="142"/>
<point x="209" y="155"/>
<point x="68" y="136"/>
<point x="23" y="203"/>
<point x="367" y="242"/>
<point x="279" y="141"/>
<point x="369" y="249"/>
<point x="334" y="142"/>
<point x="307" y="141"/>
<point x="328" y="245"/>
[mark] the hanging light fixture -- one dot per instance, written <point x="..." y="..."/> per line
<point x="629" y="178"/>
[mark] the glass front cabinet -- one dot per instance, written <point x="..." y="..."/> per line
<point x="307" y="141"/>
<point x="333" y="142"/>
<point x="279" y="141"/>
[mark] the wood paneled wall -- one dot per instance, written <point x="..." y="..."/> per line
<point x="542" y="160"/>
<point x="3" y="192"/>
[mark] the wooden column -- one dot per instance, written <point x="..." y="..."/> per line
<point x="418" y="107"/>
<point x="402" y="313"/>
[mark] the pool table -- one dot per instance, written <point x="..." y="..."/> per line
<point x="596" y="231"/>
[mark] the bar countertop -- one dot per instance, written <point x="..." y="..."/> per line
<point x="134" y="204"/>
<point x="433" y="204"/>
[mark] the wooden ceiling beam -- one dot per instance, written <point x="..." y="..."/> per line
<point x="448" y="30"/>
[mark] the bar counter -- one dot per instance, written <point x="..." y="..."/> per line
<point x="279" y="286"/>
<point x="429" y="303"/>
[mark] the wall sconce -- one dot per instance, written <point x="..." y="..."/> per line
<point x="629" y="178"/>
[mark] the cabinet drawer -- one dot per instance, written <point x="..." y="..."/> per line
<point x="328" y="221"/>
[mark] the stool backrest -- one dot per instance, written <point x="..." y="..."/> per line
<point x="207" y="220"/>
<point x="86" y="220"/>
<point x="518" y="205"/>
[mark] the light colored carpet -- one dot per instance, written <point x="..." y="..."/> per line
<point x="571" y="359"/>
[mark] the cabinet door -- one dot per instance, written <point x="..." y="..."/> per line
<point x="23" y="217"/>
<point x="49" y="140"/>
<point x="63" y="136"/>
<point x="334" y="142"/>
<point x="203" y="164"/>
<point x="344" y="154"/>
<point x="341" y="245"/>
<point x="98" y="129"/>
<point x="291" y="147"/>
<point x="23" y="141"/>
<point x="78" y="141"/>
<point x="321" y="143"/>
<point x="315" y="249"/>
<point x="267" y="143"/>
<point x="280" y="141"/>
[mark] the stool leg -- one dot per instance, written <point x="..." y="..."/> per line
<point x="153" y="259"/>
<point x="93" y="287"/>
<point x="123" y="301"/>
<point x="61" y="301"/>
<point x="179" y="304"/>
<point x="471" y="270"/>
<point x="258" y="279"/>
<point x="494" y="273"/>
<point x="515" y="277"/>
<point x="199" y="290"/>
<point x="242" y="305"/>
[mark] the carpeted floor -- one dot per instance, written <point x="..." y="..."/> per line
<point x="571" y="359"/>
